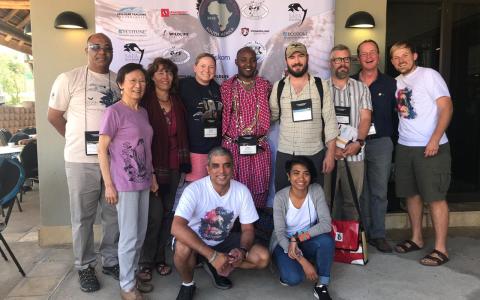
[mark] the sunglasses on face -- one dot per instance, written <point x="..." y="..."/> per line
<point x="98" y="47"/>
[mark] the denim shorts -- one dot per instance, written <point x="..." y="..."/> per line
<point x="417" y="175"/>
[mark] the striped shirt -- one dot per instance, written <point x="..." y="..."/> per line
<point x="303" y="138"/>
<point x="356" y="96"/>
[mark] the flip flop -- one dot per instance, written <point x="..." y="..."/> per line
<point x="434" y="259"/>
<point x="163" y="269"/>
<point x="407" y="246"/>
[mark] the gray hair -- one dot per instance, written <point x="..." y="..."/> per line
<point x="219" y="151"/>
<point x="340" y="47"/>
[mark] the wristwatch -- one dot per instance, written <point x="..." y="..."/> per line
<point x="361" y="142"/>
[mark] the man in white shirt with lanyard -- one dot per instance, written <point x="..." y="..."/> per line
<point x="77" y="102"/>
<point x="422" y="155"/>
<point x="353" y="108"/>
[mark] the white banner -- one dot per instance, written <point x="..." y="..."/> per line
<point x="142" y="30"/>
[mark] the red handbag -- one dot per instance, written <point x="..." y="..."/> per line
<point x="349" y="235"/>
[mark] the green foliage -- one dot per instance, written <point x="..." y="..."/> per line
<point x="12" y="78"/>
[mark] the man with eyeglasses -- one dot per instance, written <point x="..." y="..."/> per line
<point x="77" y="102"/>
<point x="422" y="155"/>
<point x="353" y="108"/>
<point x="378" y="143"/>
<point x="306" y="113"/>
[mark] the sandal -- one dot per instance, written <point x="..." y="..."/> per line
<point x="434" y="259"/>
<point x="144" y="274"/>
<point x="407" y="246"/>
<point x="163" y="269"/>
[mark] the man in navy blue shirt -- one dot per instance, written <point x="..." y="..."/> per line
<point x="379" y="145"/>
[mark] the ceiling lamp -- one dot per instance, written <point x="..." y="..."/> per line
<point x="360" y="19"/>
<point x="70" y="20"/>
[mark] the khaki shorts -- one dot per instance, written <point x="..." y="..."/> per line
<point x="417" y="175"/>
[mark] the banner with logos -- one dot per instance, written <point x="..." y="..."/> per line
<point x="142" y="30"/>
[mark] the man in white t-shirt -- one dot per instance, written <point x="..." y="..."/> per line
<point x="202" y="225"/>
<point x="77" y="102"/>
<point x="422" y="157"/>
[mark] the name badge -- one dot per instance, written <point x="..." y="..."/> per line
<point x="302" y="110"/>
<point x="343" y="114"/>
<point x="210" y="130"/>
<point x="372" y="129"/>
<point x="91" y="142"/>
<point x="247" y="145"/>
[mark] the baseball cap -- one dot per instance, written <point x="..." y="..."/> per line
<point x="295" y="47"/>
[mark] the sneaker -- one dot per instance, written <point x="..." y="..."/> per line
<point x="133" y="294"/>
<point x="381" y="244"/>
<point x="282" y="283"/>
<point x="218" y="281"/>
<point x="321" y="292"/>
<point x="88" y="280"/>
<point x="186" y="292"/>
<point x="113" y="271"/>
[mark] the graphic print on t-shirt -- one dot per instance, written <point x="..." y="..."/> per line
<point x="405" y="104"/>
<point x="107" y="95"/>
<point x="208" y="109"/>
<point x="135" y="158"/>
<point x="216" y="224"/>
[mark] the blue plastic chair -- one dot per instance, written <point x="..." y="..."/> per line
<point x="12" y="177"/>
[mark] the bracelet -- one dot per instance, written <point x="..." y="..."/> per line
<point x="212" y="259"/>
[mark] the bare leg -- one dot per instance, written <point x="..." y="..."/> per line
<point x="439" y="211"/>
<point x="415" y="214"/>
<point x="258" y="258"/>
<point x="184" y="259"/>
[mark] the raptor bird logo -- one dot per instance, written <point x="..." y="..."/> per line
<point x="297" y="7"/>
<point x="133" y="47"/>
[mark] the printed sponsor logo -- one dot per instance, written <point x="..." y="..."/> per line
<point x="166" y="12"/>
<point x="174" y="35"/>
<point x="127" y="13"/>
<point x="259" y="49"/>
<point x="224" y="76"/>
<point x="294" y="34"/>
<point x="255" y="10"/>
<point x="177" y="55"/>
<point x="133" y="53"/>
<point x="245" y="31"/>
<point x="132" y="32"/>
<point x="219" y="18"/>
<point x="296" y="12"/>
<point x="219" y="57"/>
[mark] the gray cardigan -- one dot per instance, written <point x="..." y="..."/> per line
<point x="280" y="208"/>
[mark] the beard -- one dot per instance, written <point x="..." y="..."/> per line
<point x="298" y="73"/>
<point x="341" y="74"/>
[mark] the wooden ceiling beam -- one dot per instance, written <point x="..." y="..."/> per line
<point x="23" y="22"/>
<point x="10" y="15"/>
<point x="15" y="4"/>
<point x="24" y="48"/>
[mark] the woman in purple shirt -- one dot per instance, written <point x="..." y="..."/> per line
<point x="124" y="152"/>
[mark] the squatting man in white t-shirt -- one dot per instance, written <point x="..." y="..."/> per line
<point x="203" y="220"/>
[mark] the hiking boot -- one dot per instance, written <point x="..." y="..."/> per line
<point x="218" y="281"/>
<point x="321" y="292"/>
<point x="88" y="280"/>
<point x="113" y="271"/>
<point x="186" y="292"/>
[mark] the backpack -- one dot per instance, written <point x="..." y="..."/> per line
<point x="318" y="83"/>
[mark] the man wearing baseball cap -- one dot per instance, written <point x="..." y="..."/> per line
<point x="304" y="107"/>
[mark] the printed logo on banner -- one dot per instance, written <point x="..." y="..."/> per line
<point x="132" y="32"/>
<point x="220" y="76"/>
<point x="259" y="49"/>
<point x="245" y="31"/>
<point x="174" y="35"/>
<point x="297" y="13"/>
<point x="133" y="52"/>
<point x="219" y="57"/>
<point x="255" y="10"/>
<point x="295" y="34"/>
<point x="166" y="12"/>
<point x="131" y="13"/>
<point x="177" y="55"/>
<point x="219" y="18"/>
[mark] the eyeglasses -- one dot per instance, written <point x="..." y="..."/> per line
<point x="338" y="60"/>
<point x="98" y="47"/>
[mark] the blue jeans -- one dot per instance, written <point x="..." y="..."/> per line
<point x="320" y="249"/>
<point x="373" y="201"/>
